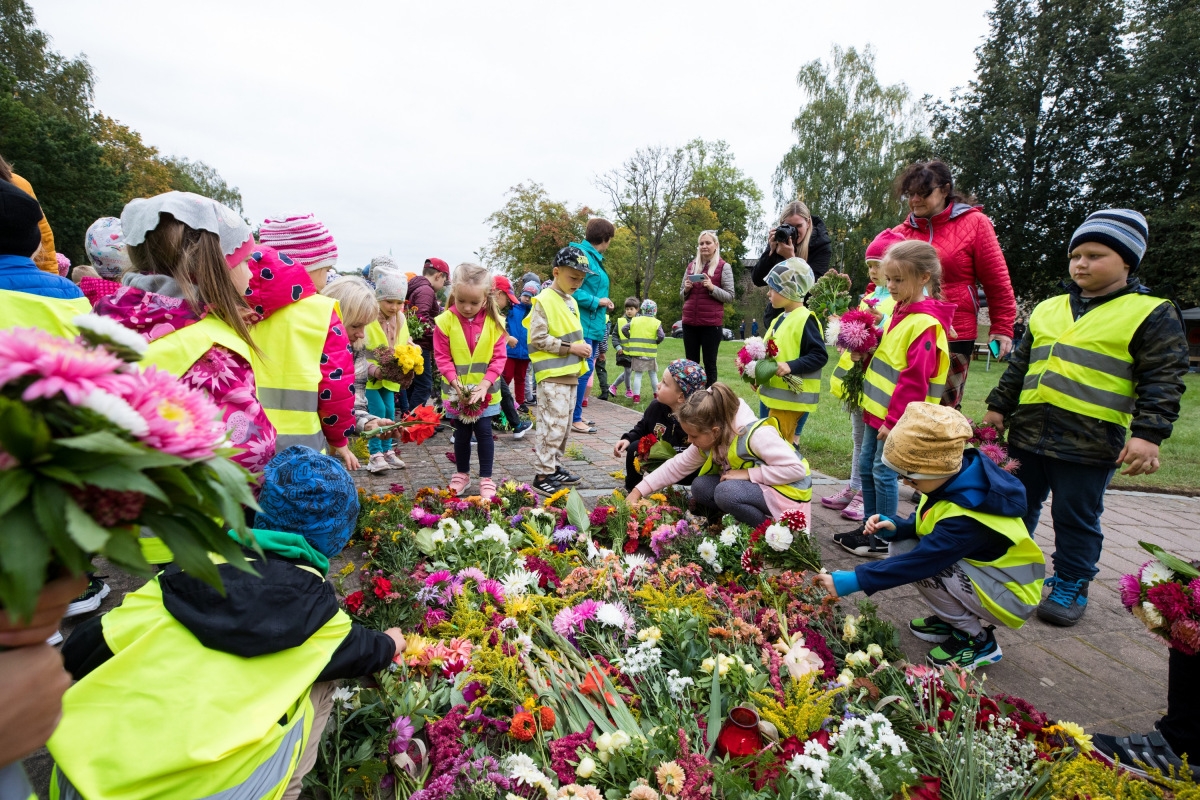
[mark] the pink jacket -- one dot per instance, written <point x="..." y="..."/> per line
<point x="472" y="328"/>
<point x="970" y="253"/>
<point x="913" y="382"/>
<point x="781" y="465"/>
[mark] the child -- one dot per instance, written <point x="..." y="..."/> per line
<point x="910" y="365"/>
<point x="965" y="549"/>
<point x="746" y="468"/>
<point x="849" y="500"/>
<point x="468" y="348"/>
<point x="681" y="379"/>
<point x="516" y="368"/>
<point x="251" y="669"/>
<point x="422" y="297"/>
<point x="1103" y="360"/>
<point x="642" y="336"/>
<point x="360" y="309"/>
<point x="558" y="355"/>
<point x="619" y="337"/>
<point x="390" y="290"/>
<point x="304" y="239"/>
<point x="801" y="348"/>
<point x="507" y="302"/>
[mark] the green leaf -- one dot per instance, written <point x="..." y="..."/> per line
<point x="121" y="478"/>
<point x="122" y="549"/>
<point x="167" y="477"/>
<point x="86" y="532"/>
<point x="14" y="486"/>
<point x="764" y="370"/>
<point x="714" y="712"/>
<point x="50" y="511"/>
<point x="190" y="555"/>
<point x="102" y="442"/>
<point x="577" y="512"/>
<point x="424" y="540"/>
<point x="24" y="554"/>
<point x="235" y="480"/>
<point x="1172" y="561"/>
<point x="23" y="434"/>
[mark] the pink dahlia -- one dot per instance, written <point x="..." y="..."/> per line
<point x="182" y="421"/>
<point x="1131" y="590"/>
<point x="59" y="366"/>
<point x="1171" y="600"/>
<point x="565" y="622"/>
<point x="1185" y="636"/>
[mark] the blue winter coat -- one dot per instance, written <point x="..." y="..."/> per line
<point x="20" y="274"/>
<point x="516" y="328"/>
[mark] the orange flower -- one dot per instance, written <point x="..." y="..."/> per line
<point x="546" y="717"/>
<point x="593" y="682"/>
<point x="522" y="728"/>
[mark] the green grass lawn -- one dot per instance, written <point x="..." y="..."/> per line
<point x="826" y="438"/>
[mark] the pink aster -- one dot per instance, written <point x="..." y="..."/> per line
<point x="995" y="452"/>
<point x="438" y="577"/>
<point x="586" y="610"/>
<point x="59" y="366"/>
<point x="1185" y="636"/>
<point x="1131" y="590"/>
<point x="494" y="588"/>
<point x="474" y="573"/>
<point x="565" y="622"/>
<point x="182" y="421"/>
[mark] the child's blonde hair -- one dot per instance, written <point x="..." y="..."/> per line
<point x="918" y="258"/>
<point x="714" y="407"/>
<point x="478" y="277"/>
<point x="357" y="301"/>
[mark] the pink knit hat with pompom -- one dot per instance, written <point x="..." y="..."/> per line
<point x="301" y="237"/>
<point x="877" y="248"/>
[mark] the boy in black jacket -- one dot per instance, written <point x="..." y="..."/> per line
<point x="680" y="380"/>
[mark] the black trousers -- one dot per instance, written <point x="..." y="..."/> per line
<point x="633" y="477"/>
<point x="602" y="376"/>
<point x="1181" y="725"/>
<point x="706" y="340"/>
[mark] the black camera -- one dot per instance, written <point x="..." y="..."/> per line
<point x="785" y="233"/>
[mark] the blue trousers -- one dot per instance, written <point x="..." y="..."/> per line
<point x="1078" y="503"/>
<point x="880" y="484"/>
<point x="583" y="382"/>
<point x="382" y="403"/>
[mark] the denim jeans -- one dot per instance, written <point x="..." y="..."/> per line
<point x="583" y="382"/>
<point x="880" y="484"/>
<point x="422" y="384"/>
<point x="1076" y="509"/>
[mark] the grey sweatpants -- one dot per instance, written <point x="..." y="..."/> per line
<point x="743" y="499"/>
<point x="950" y="595"/>
<point x="322" y="701"/>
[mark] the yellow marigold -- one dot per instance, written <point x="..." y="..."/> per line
<point x="670" y="777"/>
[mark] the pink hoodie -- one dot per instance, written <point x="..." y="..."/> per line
<point x="922" y="359"/>
<point x="781" y="465"/>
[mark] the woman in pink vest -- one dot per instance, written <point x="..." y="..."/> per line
<point x="707" y="287"/>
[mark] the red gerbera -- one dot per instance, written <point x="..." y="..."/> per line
<point x="772" y="348"/>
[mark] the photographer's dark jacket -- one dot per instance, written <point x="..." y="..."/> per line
<point x="820" y="251"/>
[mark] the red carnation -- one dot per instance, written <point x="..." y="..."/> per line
<point x="381" y="586"/>
<point x="354" y="602"/>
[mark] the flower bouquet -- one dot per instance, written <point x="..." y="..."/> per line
<point x="1165" y="596"/>
<point x="652" y="453"/>
<point x="829" y="299"/>
<point x="460" y="404"/>
<point x="990" y="441"/>
<point x="415" y="427"/>
<point x="786" y="543"/>
<point x="418" y="328"/>
<point x="756" y="364"/>
<point x="91" y="448"/>
<point x="400" y="364"/>
<point x="858" y="335"/>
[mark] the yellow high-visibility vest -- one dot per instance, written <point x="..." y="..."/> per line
<point x="288" y="372"/>
<point x="643" y="337"/>
<point x="787" y="331"/>
<point x="470" y="365"/>
<point x="376" y="338"/>
<point x="891" y="357"/>
<point x="846" y="363"/>
<point x="51" y="314"/>
<point x="1010" y="587"/>
<point x="563" y="323"/>
<point x="1084" y="365"/>
<point x="177" y="351"/>
<point x="741" y="456"/>
<point x="237" y="725"/>
<point x="622" y="339"/>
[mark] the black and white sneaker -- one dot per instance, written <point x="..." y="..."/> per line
<point x="545" y="484"/>
<point x="565" y="478"/>
<point x="90" y="600"/>
<point x="862" y="545"/>
<point x="56" y="639"/>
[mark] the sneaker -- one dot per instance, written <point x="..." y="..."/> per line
<point x="854" y="511"/>
<point x="523" y="409"/>
<point x="862" y="545"/>
<point x="612" y="388"/>
<point x="545" y="484"/>
<point x="565" y="478"/>
<point x="966" y="652"/>
<point x="1065" y="604"/>
<point x="377" y="463"/>
<point x="90" y="600"/>
<point x="629" y="394"/>
<point x="637" y="398"/>
<point x="584" y="403"/>
<point x="487" y="488"/>
<point x="393" y="460"/>
<point x="523" y="428"/>
<point x="531" y="401"/>
<point x="1137" y="751"/>
<point x="459" y="483"/>
<point x="840" y="500"/>
<point x="56" y="639"/>
<point x="931" y="629"/>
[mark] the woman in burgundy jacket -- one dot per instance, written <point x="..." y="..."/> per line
<point x="707" y="287"/>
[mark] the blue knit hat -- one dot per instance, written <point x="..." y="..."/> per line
<point x="689" y="375"/>
<point x="1121" y="229"/>
<point x="309" y="494"/>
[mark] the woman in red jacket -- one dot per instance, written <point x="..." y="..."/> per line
<point x="970" y="254"/>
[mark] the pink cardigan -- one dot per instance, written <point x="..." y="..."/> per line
<point x="781" y="465"/>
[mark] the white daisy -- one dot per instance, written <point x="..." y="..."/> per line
<point x="99" y="330"/>
<point x="117" y="411"/>
<point x="449" y="526"/>
<point x="1154" y="571"/>
<point x="729" y="536"/>
<point x="518" y="582"/>
<point x="708" y="551"/>
<point x="778" y="537"/>
<point x="636" y="561"/>
<point x="344" y="696"/>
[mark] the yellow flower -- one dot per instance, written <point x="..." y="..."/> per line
<point x="1075" y="731"/>
<point x="618" y="475"/>
<point x="554" y="498"/>
<point x="346" y="570"/>
<point x="670" y="777"/>
<point x="658" y="497"/>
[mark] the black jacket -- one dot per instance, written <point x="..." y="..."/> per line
<point x="1160" y="360"/>
<point x="660" y="421"/>
<point x="820" y="251"/>
<point x="258" y="615"/>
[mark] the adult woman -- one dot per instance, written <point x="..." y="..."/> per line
<point x="707" y="287"/>
<point x="970" y="254"/>
<point x="810" y="242"/>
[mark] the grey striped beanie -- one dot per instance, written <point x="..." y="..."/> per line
<point x="1121" y="229"/>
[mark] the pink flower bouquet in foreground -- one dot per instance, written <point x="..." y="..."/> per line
<point x="1165" y="595"/>
<point x="91" y="447"/>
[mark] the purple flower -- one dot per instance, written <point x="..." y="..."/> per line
<point x="472" y="691"/>
<point x="1131" y="590"/>
<point x="565" y="535"/>
<point x="403" y="730"/>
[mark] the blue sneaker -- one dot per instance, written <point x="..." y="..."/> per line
<point x="966" y="652"/>
<point x="525" y="427"/>
<point x="1065" y="604"/>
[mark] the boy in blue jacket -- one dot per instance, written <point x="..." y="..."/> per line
<point x="966" y="548"/>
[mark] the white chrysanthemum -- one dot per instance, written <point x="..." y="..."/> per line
<point x="1153" y="618"/>
<point x="729" y="536"/>
<point x="832" y="329"/>
<point x="708" y="551"/>
<point x="116" y="411"/>
<point x="636" y="561"/>
<point x="522" y="769"/>
<point x="492" y="533"/>
<point x="614" y="615"/>
<point x="518" y="582"/>
<point x="677" y="686"/>
<point x="1156" y="572"/>
<point x="778" y="537"/>
<point x="97" y="330"/>
<point x="449" y="526"/>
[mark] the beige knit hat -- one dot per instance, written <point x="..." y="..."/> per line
<point x="927" y="443"/>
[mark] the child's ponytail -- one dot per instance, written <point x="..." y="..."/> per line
<point x="714" y="407"/>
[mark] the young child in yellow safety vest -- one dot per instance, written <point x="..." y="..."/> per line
<point x="642" y="335"/>
<point x="797" y="335"/>
<point x="618" y="342"/>
<point x="746" y="468"/>
<point x="244" y="678"/>
<point x="470" y="348"/>
<point x="391" y="287"/>
<point x="1103" y="361"/>
<point x="965" y="549"/>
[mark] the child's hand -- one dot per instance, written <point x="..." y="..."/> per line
<point x="633" y="498"/>
<point x="512" y="341"/>
<point x="736" y="475"/>
<point x="783" y="369"/>
<point x="995" y="419"/>
<point x="398" y="637"/>
<point x="581" y="349"/>
<point x="480" y="392"/>
<point x="372" y="424"/>
<point x="884" y="430"/>
<point x="347" y="458"/>
<point x="1140" y="457"/>
<point x="879" y="523"/>
<point x="620" y="448"/>
<point x="825" y="581"/>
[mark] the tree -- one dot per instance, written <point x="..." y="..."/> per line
<point x="200" y="178"/>
<point x="529" y="229"/>
<point x="734" y="198"/>
<point x="42" y="79"/>
<point x="647" y="193"/>
<point x="1028" y="134"/>
<point x="142" y="173"/>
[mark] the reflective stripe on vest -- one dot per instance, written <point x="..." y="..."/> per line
<point x="846" y="363"/>
<point x="742" y="456"/>
<point x="1010" y="587"/>
<point x="178" y="350"/>
<point x="643" y="337"/>
<point x="891" y="357"/>
<point x="470" y="365"/>
<point x="562" y="323"/>
<point x="376" y="338"/>
<point x="787" y="331"/>
<point x="51" y="314"/>
<point x="211" y="752"/>
<point x="288" y="372"/>
<point x="1084" y="365"/>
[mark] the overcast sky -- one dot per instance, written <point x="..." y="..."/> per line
<point x="401" y="125"/>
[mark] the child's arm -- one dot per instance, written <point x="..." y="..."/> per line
<point x="1160" y="360"/>
<point x="539" y="333"/>
<point x="781" y="465"/>
<point x="1004" y="399"/>
<point x="442" y="357"/>
<point x="913" y="383"/>
<point x="337" y="384"/>
<point x="661" y="335"/>
<point x="625" y="329"/>
<point x="813" y="355"/>
<point x="672" y="471"/>
<point x="362" y="652"/>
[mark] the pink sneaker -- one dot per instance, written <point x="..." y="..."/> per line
<point x="854" y="511"/>
<point x="487" y="488"/>
<point x="637" y="398"/>
<point x="459" y="483"/>
<point x="629" y="394"/>
<point x="612" y="388"/>
<point x="840" y="500"/>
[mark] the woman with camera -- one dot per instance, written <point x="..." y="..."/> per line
<point x="707" y="287"/>
<point x="798" y="233"/>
